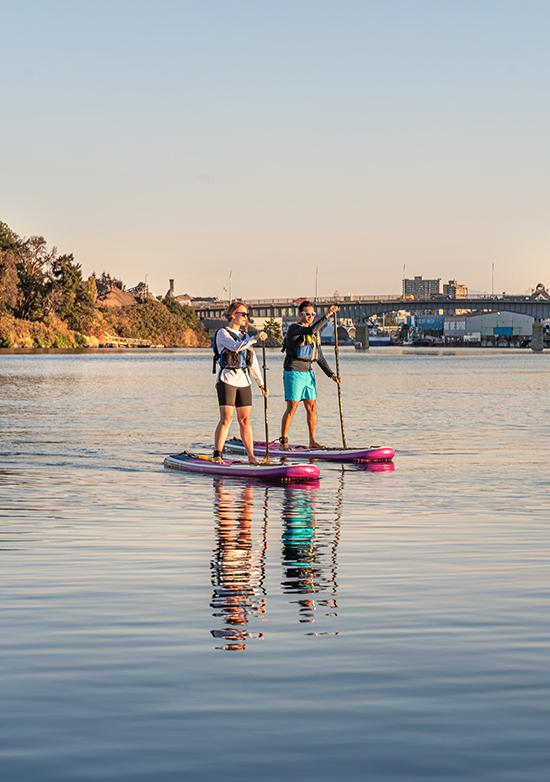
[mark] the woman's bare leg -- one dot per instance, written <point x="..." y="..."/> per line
<point x="220" y="435"/>
<point x="243" y="417"/>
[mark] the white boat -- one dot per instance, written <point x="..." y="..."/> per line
<point x="378" y="339"/>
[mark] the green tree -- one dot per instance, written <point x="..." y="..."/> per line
<point x="165" y="324"/>
<point x="105" y="282"/>
<point x="8" y="239"/>
<point x="33" y="262"/>
<point x="274" y="332"/>
<point x="9" y="281"/>
<point x="92" y="288"/>
<point x="69" y="294"/>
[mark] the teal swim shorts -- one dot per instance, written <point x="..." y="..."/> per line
<point x="299" y="385"/>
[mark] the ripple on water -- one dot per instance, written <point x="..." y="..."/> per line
<point x="388" y="624"/>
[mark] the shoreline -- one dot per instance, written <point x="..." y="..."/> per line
<point x="382" y="350"/>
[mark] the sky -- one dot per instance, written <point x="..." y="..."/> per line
<point x="194" y="140"/>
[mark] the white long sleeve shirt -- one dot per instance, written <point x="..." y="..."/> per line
<point x="240" y="378"/>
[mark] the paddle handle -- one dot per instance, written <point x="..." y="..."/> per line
<point x="337" y="359"/>
<point x="266" y="420"/>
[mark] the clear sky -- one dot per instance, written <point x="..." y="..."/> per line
<point x="187" y="139"/>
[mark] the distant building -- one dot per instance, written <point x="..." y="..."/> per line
<point x="141" y="292"/>
<point x="116" y="298"/>
<point x="421" y="288"/>
<point x="487" y="324"/>
<point x="455" y="290"/>
<point x="184" y="298"/>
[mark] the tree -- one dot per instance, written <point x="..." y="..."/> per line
<point x="33" y="262"/>
<point x="8" y="239"/>
<point x="105" y="283"/>
<point x="92" y="288"/>
<point x="69" y="295"/>
<point x="274" y="332"/>
<point x="9" y="281"/>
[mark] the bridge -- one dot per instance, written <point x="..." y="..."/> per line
<point x="360" y="308"/>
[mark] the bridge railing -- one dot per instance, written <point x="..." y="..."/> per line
<point x="353" y="299"/>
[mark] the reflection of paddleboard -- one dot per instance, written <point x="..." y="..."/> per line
<point x="374" y="466"/>
<point x="373" y="454"/>
<point x="189" y="462"/>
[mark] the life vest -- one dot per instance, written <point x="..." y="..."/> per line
<point x="306" y="350"/>
<point x="230" y="359"/>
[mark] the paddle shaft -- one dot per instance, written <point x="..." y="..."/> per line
<point x="337" y="359"/>
<point x="266" y="422"/>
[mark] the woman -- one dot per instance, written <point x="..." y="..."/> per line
<point x="237" y="363"/>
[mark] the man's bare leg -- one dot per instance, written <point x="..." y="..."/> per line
<point x="288" y="415"/>
<point x="311" y="412"/>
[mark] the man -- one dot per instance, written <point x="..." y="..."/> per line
<point x="303" y="347"/>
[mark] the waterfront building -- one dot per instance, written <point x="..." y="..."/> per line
<point x="421" y="288"/>
<point x="455" y="290"/>
<point x="487" y="326"/>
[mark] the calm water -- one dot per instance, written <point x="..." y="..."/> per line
<point x="378" y="625"/>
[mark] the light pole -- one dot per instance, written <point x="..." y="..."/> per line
<point x="316" y="281"/>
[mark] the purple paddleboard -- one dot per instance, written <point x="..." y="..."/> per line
<point x="372" y="454"/>
<point x="187" y="462"/>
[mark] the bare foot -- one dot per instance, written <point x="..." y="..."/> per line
<point x="217" y="460"/>
<point x="284" y="443"/>
<point x="253" y="460"/>
<point x="317" y="447"/>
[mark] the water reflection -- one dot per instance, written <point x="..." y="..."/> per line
<point x="238" y="565"/>
<point x="308" y="557"/>
<point x="309" y="553"/>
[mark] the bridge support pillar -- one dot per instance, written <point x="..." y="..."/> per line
<point x="537" y="338"/>
<point x="362" y="336"/>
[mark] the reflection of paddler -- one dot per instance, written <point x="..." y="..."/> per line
<point x="237" y="571"/>
<point x="300" y="555"/>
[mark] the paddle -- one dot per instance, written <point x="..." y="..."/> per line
<point x="337" y="357"/>
<point x="264" y="367"/>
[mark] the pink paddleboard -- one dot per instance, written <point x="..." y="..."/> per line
<point x="372" y="454"/>
<point x="187" y="462"/>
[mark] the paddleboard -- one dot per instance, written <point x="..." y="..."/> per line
<point x="188" y="462"/>
<point x="372" y="454"/>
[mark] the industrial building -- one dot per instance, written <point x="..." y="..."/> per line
<point x="421" y="288"/>
<point x="455" y="290"/>
<point x="488" y="327"/>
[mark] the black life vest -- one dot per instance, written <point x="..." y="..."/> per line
<point x="307" y="348"/>
<point x="230" y="359"/>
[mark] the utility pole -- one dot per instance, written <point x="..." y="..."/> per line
<point x="316" y="281"/>
<point x="492" y="279"/>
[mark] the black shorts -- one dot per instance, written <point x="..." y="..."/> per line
<point x="233" y="396"/>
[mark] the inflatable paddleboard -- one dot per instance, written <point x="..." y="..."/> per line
<point x="188" y="462"/>
<point x="372" y="454"/>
